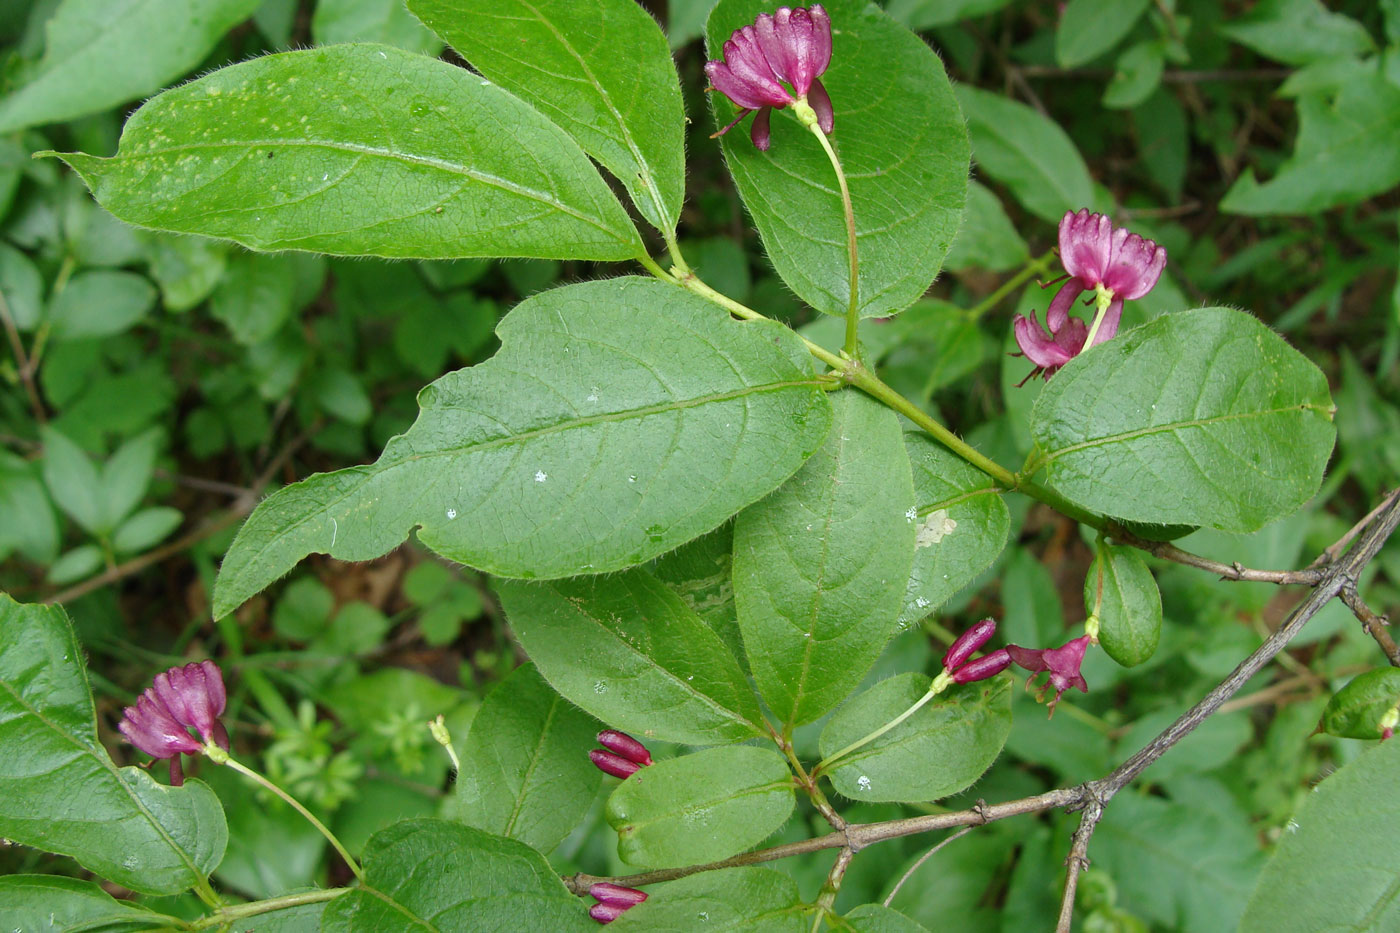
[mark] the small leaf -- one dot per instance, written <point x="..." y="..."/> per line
<point x="628" y="650"/>
<point x="430" y="875"/>
<point x="125" y="477"/>
<point x="30" y="526"/>
<point x="1201" y="417"/>
<point x="287" y="152"/>
<point x="81" y="562"/>
<point x="1297" y="32"/>
<point x="1129" y="605"/>
<point x="820" y="566"/>
<point x="1136" y="75"/>
<point x="387" y="21"/>
<point x="23" y="287"/>
<point x="525" y="770"/>
<point x="67" y="905"/>
<point x="731" y="900"/>
<point x="620" y="419"/>
<point x="940" y="750"/>
<point x="1089" y="28"/>
<point x="987" y="239"/>
<point x="925" y="14"/>
<point x="876" y="918"/>
<point x="100" y="303"/>
<point x="73" y="480"/>
<point x="701" y="807"/>
<point x="255" y="297"/>
<point x="600" y="69"/>
<point x="1356" y="710"/>
<point x="64" y="795"/>
<point x="146" y="529"/>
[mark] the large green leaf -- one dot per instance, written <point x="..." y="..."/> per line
<point x="601" y="69"/>
<point x="1336" y="867"/>
<point x="1348" y="149"/>
<point x="733" y="900"/>
<point x="820" y="566"/>
<point x="648" y="664"/>
<point x="525" y="771"/>
<point x="962" y="526"/>
<point x="905" y="153"/>
<point x="63" y="794"/>
<point x="66" y="905"/>
<point x="701" y="807"/>
<point x="91" y="60"/>
<point x="1088" y="28"/>
<point x="1027" y="152"/>
<point x="1201" y="417"/>
<point x="620" y="419"/>
<point x="359" y="150"/>
<point x="437" y="877"/>
<point x="936" y="752"/>
<point x="700" y="573"/>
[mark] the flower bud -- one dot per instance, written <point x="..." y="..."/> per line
<point x="607" y="913"/>
<point x="609" y="893"/>
<point x="982" y="668"/>
<point x="615" y="765"/>
<point x="623" y="744"/>
<point x="967" y="645"/>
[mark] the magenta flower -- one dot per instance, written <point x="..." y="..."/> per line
<point x="1110" y="262"/>
<point x="987" y="666"/>
<point x="960" y="670"/>
<point x="1063" y="664"/>
<point x="613" y="901"/>
<point x="790" y="45"/>
<point x="623" y="757"/>
<point x="182" y="698"/>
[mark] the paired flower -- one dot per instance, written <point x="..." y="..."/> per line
<point x="1110" y="262"/>
<point x="613" y="900"/>
<point x="181" y="699"/>
<point x="792" y="46"/>
<point x="620" y="756"/>
<point x="1063" y="663"/>
<point x="956" y="664"/>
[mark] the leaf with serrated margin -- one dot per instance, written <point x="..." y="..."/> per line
<point x="359" y="150"/>
<point x="67" y="905"/>
<point x="63" y="794"/>
<point x="629" y="650"/>
<point x="619" y="420"/>
<point x="600" y="69"/>
<point x="962" y="526"/>
<point x="902" y="144"/>
<point x="429" y="876"/>
<point x="732" y="900"/>
<point x="820" y="566"/>
<point x="1202" y="417"/>
<point x="525" y="769"/>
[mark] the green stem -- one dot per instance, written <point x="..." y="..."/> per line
<point x="673" y="248"/>
<point x="853" y="305"/>
<point x="1033" y="268"/>
<point x="295" y="805"/>
<point x="253" y="908"/>
<point x="940" y="683"/>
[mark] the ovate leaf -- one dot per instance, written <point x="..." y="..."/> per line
<point x="620" y="419"/>
<point x="1298" y="32"/>
<point x="67" y="905"/>
<point x="601" y="69"/>
<point x="821" y="565"/>
<point x="428" y="876"/>
<point x="701" y="807"/>
<point x="938" y="751"/>
<point x="525" y="770"/>
<point x="629" y="650"/>
<point x="89" y="63"/>
<point x="63" y="794"/>
<point x="1088" y="28"/>
<point x="904" y="150"/>
<point x="1201" y="417"/>
<point x="732" y="900"/>
<point x="1129" y="605"/>
<point x="359" y="150"/>
<point x="1356" y="710"/>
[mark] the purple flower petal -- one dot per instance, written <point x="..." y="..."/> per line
<point x="149" y="726"/>
<point x="1086" y="245"/>
<point x="982" y="668"/>
<point x="1039" y="347"/>
<point x="606" y="913"/>
<point x="968" y="643"/>
<point x="820" y="101"/>
<point x="759" y="130"/>
<point x="1135" y="266"/>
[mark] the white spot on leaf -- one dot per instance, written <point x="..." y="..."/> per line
<point x="935" y="528"/>
<point x="541" y="476"/>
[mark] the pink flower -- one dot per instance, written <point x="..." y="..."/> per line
<point x="1063" y="664"/>
<point x="1111" y="262"/>
<point x="789" y="45"/>
<point x="623" y="757"/>
<point x="613" y="901"/>
<point x="182" y="698"/>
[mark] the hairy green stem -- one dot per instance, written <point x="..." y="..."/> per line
<point x="853" y="304"/>
<point x="226" y="915"/>
<point x="940" y="683"/>
<point x="1034" y="267"/>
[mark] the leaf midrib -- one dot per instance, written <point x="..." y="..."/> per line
<point x="1122" y="437"/>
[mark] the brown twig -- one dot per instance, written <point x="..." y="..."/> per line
<point x="23" y="365"/>
<point x="1077" y="861"/>
<point x="1308" y="576"/>
<point x="1373" y="624"/>
<point x="1335" y="549"/>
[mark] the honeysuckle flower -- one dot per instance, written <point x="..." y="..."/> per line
<point x="1063" y="663"/>
<point x="967" y="644"/>
<point x="982" y="668"/>
<point x="181" y="699"/>
<point x="1109" y="261"/>
<point x="613" y="901"/>
<point x="616" y="765"/>
<point x="623" y="744"/>
<point x="791" y="45"/>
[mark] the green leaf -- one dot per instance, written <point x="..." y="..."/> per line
<point x="1089" y="28"/>
<point x="629" y="650"/>
<point x="82" y="561"/>
<point x="600" y="69"/>
<point x="925" y="14"/>
<point x="125" y="477"/>
<point x="620" y="419"/>
<point x="1356" y="710"/>
<point x="820" y="566"/>
<point x="387" y="21"/>
<point x="146" y="529"/>
<point x="1297" y="32"/>
<point x="67" y="905"/>
<point x="525" y="771"/>
<point x="987" y="239"/>
<point x="1348" y="149"/>
<point x="1121" y="590"/>
<point x="875" y="918"/>
<point x="100" y="303"/>
<point x="1136" y="75"/>
<point x="732" y="900"/>
<point x="365" y="701"/>
<point x="359" y="150"/>
<point x="702" y="807"/>
<point x="1202" y="417"/>
<point x="73" y="480"/>
<point x="429" y="876"/>
<point x="30" y="526"/>
<point x="89" y="65"/>
<point x="23" y="287"/>
<point x="1335" y="868"/>
<point x="1026" y="152"/>
<point x="64" y="795"/>
<point x="272" y="849"/>
<point x="904" y="150"/>
<point x="700" y="574"/>
<point x="188" y="269"/>
<point x="940" y="750"/>
<point x="255" y="298"/>
<point x="962" y="526"/>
